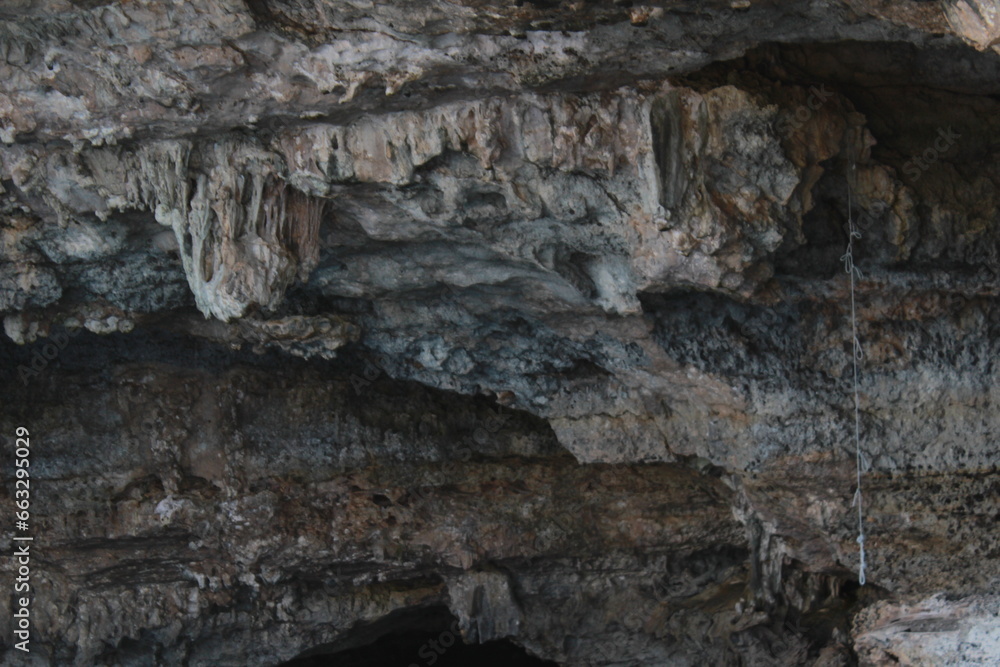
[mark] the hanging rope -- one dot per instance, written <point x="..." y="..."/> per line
<point x="856" y="355"/>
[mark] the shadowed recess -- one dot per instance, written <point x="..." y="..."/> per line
<point x="428" y="636"/>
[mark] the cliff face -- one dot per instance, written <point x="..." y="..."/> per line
<point x="333" y="320"/>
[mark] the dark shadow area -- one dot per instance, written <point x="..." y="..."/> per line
<point x="934" y="117"/>
<point x="420" y="637"/>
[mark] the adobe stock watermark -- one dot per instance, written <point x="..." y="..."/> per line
<point x="432" y="650"/>
<point x="46" y="353"/>
<point x="818" y="96"/>
<point x="557" y="529"/>
<point x="22" y="540"/>
<point x="916" y="167"/>
<point x="371" y="372"/>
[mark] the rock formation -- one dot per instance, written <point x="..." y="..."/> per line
<point x="522" y="321"/>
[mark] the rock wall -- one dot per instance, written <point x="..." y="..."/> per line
<point x="323" y="313"/>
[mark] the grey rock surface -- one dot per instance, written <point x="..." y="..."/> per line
<point x="532" y="316"/>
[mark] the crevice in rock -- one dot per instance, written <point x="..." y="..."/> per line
<point x="421" y="636"/>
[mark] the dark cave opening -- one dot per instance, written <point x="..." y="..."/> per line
<point x="932" y="112"/>
<point x="415" y="638"/>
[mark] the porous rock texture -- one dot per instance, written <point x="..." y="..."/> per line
<point x="323" y="315"/>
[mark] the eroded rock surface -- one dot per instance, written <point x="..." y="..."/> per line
<point x="325" y="315"/>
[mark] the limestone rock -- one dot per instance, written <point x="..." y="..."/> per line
<point x="340" y="323"/>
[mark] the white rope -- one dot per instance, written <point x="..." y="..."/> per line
<point x="856" y="356"/>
